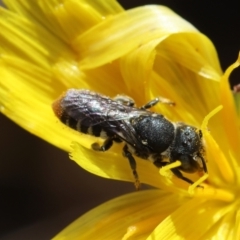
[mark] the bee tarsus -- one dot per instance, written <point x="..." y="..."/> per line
<point x="133" y="165"/>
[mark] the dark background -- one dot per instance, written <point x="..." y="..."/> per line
<point x="41" y="190"/>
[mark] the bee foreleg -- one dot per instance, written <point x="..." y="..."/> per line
<point x="164" y="171"/>
<point x="173" y="167"/>
<point x="106" y="145"/>
<point x="196" y="184"/>
<point x="133" y="165"/>
<point x="177" y="173"/>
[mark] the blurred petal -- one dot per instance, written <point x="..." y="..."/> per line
<point x="65" y="19"/>
<point x="138" y="213"/>
<point x="229" y="113"/>
<point x="126" y="31"/>
<point x="192" y="220"/>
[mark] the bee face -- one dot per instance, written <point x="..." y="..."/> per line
<point x="188" y="148"/>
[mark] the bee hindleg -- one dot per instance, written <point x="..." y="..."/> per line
<point x="156" y="101"/>
<point x="133" y="165"/>
<point x="106" y="145"/>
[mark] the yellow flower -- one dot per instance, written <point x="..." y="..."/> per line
<point x="49" y="46"/>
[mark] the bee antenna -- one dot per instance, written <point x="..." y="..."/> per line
<point x="204" y="164"/>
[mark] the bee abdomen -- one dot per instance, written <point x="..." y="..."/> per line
<point x="82" y="110"/>
<point x="84" y="126"/>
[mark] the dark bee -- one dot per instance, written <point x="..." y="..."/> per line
<point x="146" y="134"/>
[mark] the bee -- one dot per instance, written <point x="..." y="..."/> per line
<point x="147" y="135"/>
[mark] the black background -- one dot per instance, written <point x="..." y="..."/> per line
<point x="41" y="190"/>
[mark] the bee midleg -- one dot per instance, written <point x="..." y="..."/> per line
<point x="133" y="165"/>
<point x="106" y="145"/>
<point x="125" y="100"/>
<point x="156" y="101"/>
<point x="177" y="173"/>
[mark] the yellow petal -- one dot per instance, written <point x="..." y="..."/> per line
<point x="219" y="167"/>
<point x="192" y="221"/>
<point x="112" y="164"/>
<point x="157" y="69"/>
<point x="20" y="38"/>
<point x="65" y="19"/>
<point x="180" y="55"/>
<point x="182" y="62"/>
<point x="126" y="31"/>
<point x="132" y="216"/>
<point x="29" y="103"/>
<point x="36" y="66"/>
<point x="165" y="36"/>
<point x="229" y="113"/>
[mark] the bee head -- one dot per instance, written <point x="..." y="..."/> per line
<point x="188" y="148"/>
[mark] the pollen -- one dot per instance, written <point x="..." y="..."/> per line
<point x="56" y="106"/>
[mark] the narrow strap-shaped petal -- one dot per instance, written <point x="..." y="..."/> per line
<point x="130" y="216"/>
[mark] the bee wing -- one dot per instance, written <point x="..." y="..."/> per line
<point x="116" y="119"/>
<point x="116" y="113"/>
<point x="128" y="134"/>
<point x="120" y="124"/>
